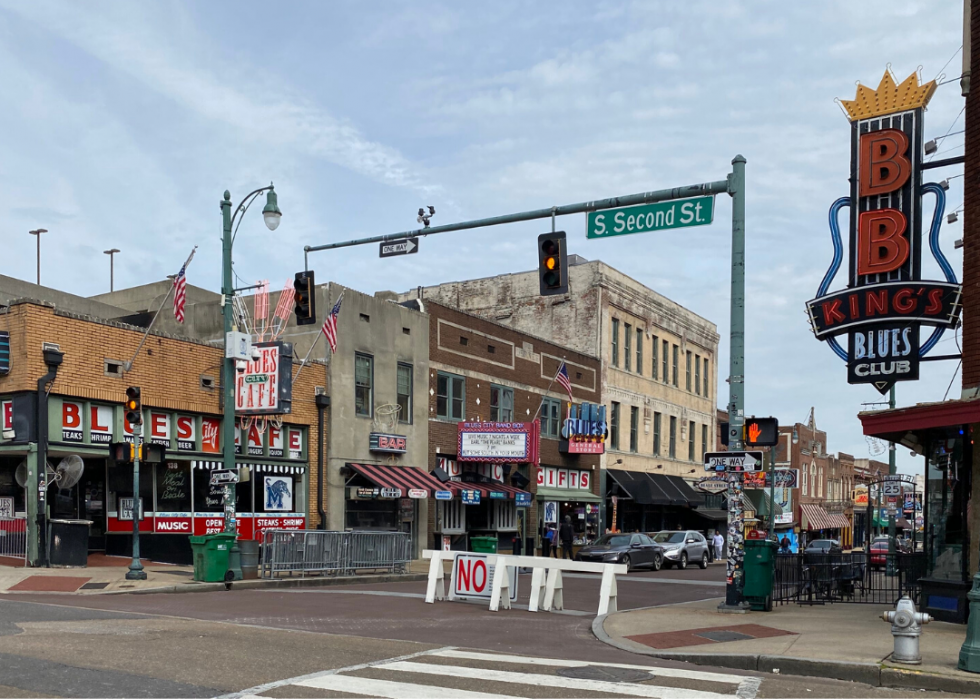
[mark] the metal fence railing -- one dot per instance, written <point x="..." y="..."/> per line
<point x="311" y="552"/>
<point x="857" y="577"/>
<point x="13" y="538"/>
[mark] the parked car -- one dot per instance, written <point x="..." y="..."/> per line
<point x="823" y="546"/>
<point x="683" y="547"/>
<point x="879" y="552"/>
<point x="632" y="550"/>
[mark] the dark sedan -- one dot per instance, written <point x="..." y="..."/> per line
<point x="632" y="550"/>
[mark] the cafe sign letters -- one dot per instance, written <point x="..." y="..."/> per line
<point x="886" y="300"/>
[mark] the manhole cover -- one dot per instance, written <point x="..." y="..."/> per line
<point x="722" y="636"/>
<point x="607" y="674"/>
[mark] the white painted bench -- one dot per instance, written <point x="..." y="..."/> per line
<point x="546" y="580"/>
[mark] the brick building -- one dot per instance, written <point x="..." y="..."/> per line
<point x="658" y="373"/>
<point x="180" y="382"/>
<point x="483" y="374"/>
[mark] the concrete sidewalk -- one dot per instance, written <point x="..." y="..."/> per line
<point x="839" y="641"/>
<point x="162" y="577"/>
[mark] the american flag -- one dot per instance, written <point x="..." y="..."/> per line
<point x="330" y="324"/>
<point x="180" y="295"/>
<point x="562" y="378"/>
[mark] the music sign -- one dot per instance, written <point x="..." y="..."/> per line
<point x="886" y="300"/>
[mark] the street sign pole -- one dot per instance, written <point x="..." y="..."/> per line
<point x="736" y="393"/>
<point x="136" y="571"/>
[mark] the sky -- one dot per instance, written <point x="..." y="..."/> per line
<point x="125" y="122"/>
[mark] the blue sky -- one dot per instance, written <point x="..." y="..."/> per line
<point x="124" y="122"/>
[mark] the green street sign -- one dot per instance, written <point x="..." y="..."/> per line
<point x="680" y="213"/>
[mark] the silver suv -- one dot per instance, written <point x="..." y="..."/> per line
<point x="683" y="547"/>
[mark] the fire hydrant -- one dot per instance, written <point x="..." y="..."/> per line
<point x="906" y="628"/>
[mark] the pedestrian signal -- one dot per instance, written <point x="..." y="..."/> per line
<point x="761" y="432"/>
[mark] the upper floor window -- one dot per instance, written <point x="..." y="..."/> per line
<point x="501" y="404"/>
<point x="615" y="342"/>
<point x="639" y="350"/>
<point x="672" y="445"/>
<point x="450" y="396"/>
<point x="634" y="429"/>
<point x="405" y="393"/>
<point x="697" y="374"/>
<point x="704" y="440"/>
<point x="363" y="384"/>
<point x="664" y="360"/>
<point x="690" y="441"/>
<point x="656" y="434"/>
<point x="614" y="425"/>
<point x="655" y="356"/>
<point x="687" y="371"/>
<point x="627" y="346"/>
<point x="706" y="373"/>
<point x="674" y="368"/>
<point x="550" y="417"/>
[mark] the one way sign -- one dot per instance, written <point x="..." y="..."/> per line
<point x="408" y="246"/>
<point x="733" y="461"/>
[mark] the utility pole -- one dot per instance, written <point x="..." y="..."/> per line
<point x="38" y="233"/>
<point x="111" y="253"/>
<point x="228" y="388"/>
<point x="136" y="571"/>
<point x="736" y="391"/>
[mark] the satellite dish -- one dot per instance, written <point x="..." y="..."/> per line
<point x="20" y="475"/>
<point x="69" y="471"/>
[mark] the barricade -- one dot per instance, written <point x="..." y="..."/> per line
<point x="546" y="580"/>
<point x="314" y="552"/>
<point x="13" y="538"/>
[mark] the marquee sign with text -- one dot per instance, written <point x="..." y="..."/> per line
<point x="498" y="442"/>
<point x="886" y="301"/>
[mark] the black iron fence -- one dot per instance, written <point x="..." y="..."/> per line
<point x="858" y="577"/>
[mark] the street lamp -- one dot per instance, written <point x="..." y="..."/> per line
<point x="272" y="215"/>
<point x="38" y="233"/>
<point x="111" y="253"/>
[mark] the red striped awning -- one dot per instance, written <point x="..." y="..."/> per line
<point x="485" y="488"/>
<point x="816" y="518"/>
<point x="404" y="478"/>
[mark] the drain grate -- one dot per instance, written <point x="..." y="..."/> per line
<point x="94" y="586"/>
<point x="606" y="674"/>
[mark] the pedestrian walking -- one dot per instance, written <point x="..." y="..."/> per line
<point x="719" y="541"/>
<point x="553" y="538"/>
<point x="784" y="545"/>
<point x="546" y="541"/>
<point x="566" y="535"/>
<point x="711" y="549"/>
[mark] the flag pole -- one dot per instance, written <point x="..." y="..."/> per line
<point x="129" y="365"/>
<point x="303" y="363"/>
<point x="536" y="412"/>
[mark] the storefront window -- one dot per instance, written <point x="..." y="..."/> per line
<point x="948" y="489"/>
<point x="120" y="479"/>
<point x="277" y="492"/>
<point x="174" y="487"/>
<point x="550" y="421"/>
<point x="501" y="404"/>
<point x="8" y="483"/>
<point x="450" y="396"/>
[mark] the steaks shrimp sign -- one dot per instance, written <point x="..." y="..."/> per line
<point x="886" y="300"/>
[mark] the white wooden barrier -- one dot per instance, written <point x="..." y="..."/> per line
<point x="546" y="580"/>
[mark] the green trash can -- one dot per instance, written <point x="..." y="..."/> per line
<point x="211" y="556"/>
<point x="760" y="573"/>
<point x="483" y="544"/>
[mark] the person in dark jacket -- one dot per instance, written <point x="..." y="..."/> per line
<point x="565" y="535"/>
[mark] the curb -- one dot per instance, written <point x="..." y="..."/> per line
<point x="874" y="674"/>
<point x="278" y="584"/>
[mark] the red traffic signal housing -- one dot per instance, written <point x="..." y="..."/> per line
<point x="760" y="432"/>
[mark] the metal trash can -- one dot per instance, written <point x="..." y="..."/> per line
<point x="211" y="556"/>
<point x="483" y="544"/>
<point x="760" y="573"/>
<point x="250" y="559"/>
<point x="68" y="545"/>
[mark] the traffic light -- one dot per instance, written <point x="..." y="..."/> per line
<point x="552" y="263"/>
<point x="134" y="407"/>
<point x="305" y="305"/>
<point x="760" y="432"/>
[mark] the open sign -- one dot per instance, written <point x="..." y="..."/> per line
<point x="472" y="577"/>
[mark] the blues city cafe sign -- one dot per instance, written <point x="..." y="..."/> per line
<point x="886" y="300"/>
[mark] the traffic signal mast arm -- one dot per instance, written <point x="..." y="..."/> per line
<point x="693" y="190"/>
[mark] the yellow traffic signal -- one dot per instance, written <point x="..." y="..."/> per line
<point x="134" y="407"/>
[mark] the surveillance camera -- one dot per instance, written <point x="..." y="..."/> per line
<point x="256" y="355"/>
<point x="240" y="366"/>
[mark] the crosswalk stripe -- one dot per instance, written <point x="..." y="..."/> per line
<point x="637" y="690"/>
<point x="392" y="690"/>
<point x="555" y="662"/>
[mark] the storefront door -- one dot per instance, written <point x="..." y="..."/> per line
<point x="91" y="502"/>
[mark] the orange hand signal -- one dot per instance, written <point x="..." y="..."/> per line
<point x="754" y="431"/>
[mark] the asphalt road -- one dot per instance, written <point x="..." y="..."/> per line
<point x="362" y="640"/>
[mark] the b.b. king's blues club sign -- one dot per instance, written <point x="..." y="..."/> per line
<point x="886" y="300"/>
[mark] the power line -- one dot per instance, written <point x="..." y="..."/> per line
<point x="948" y="62"/>
<point x="948" y="130"/>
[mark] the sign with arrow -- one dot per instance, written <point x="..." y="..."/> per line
<point x="733" y="461"/>
<point x="408" y="246"/>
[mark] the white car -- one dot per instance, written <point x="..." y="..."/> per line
<point x="683" y="547"/>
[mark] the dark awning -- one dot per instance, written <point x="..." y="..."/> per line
<point x="638" y="487"/>
<point x="403" y="478"/>
<point x="694" y="499"/>
<point x="714" y="515"/>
